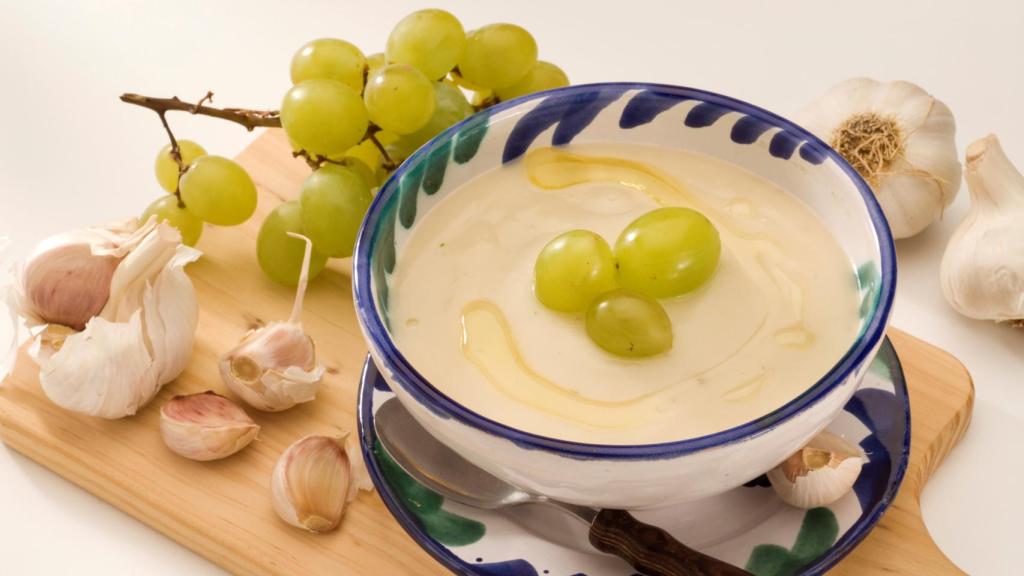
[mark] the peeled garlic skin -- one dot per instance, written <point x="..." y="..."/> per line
<point x="925" y="178"/>
<point x="205" y="426"/>
<point x="982" y="271"/>
<point x="273" y="368"/>
<point x="310" y="483"/>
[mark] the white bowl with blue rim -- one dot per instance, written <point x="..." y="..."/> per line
<point x="628" y="476"/>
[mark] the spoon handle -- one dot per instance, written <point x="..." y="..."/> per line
<point x="651" y="550"/>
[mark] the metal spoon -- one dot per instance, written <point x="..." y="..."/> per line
<point x="647" y="548"/>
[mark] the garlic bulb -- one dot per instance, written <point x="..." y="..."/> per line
<point x="982" y="272"/>
<point x="312" y="483"/>
<point x="901" y="141"/>
<point x="818" y="474"/>
<point x="274" y="367"/>
<point x="140" y="339"/>
<point x="205" y="426"/>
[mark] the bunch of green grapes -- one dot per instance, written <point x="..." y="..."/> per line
<point x="355" y="117"/>
<point x="211" y="189"/>
<point x="665" y="253"/>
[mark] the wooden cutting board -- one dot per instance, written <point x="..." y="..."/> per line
<point x="222" y="509"/>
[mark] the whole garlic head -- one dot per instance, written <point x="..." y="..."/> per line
<point x="274" y="367"/>
<point x="818" y="474"/>
<point x="205" y="426"/>
<point x="900" y="139"/>
<point x="140" y="340"/>
<point x="982" y="272"/>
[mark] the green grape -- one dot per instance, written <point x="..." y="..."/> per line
<point x="629" y="324"/>
<point x="323" y="117"/>
<point x="367" y="153"/>
<point x="543" y="76"/>
<point x="459" y="80"/>
<point x="280" y="255"/>
<point x="497" y="55"/>
<point x="218" y="191"/>
<point x="375" y="61"/>
<point x="431" y="40"/>
<point x="167" y="169"/>
<point x="452" y="107"/>
<point x="366" y="174"/>
<point x="572" y="270"/>
<point x="168" y="209"/>
<point x="667" y="252"/>
<point x="334" y="200"/>
<point x="329" y="59"/>
<point x="399" y="98"/>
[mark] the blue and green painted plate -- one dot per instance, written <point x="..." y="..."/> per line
<point x="748" y="527"/>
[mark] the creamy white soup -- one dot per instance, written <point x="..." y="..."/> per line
<point x="780" y="310"/>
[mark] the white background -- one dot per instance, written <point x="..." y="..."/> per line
<point x="71" y="154"/>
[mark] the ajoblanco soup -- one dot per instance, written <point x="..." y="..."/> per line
<point x="779" y="311"/>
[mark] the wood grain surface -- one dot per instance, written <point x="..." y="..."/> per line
<point x="222" y="510"/>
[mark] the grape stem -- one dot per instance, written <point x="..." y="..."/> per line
<point x="250" y="119"/>
<point x="388" y="163"/>
<point x="315" y="161"/>
<point x="175" y="153"/>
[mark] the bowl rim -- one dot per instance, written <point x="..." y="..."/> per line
<point x="420" y="388"/>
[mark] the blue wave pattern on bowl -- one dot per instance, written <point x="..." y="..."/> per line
<point x="571" y="113"/>
<point x="473" y="541"/>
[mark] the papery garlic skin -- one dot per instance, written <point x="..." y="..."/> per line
<point x="982" y="271"/>
<point x="141" y="340"/>
<point x="310" y="483"/>
<point x="273" y="368"/>
<point x="912" y="165"/>
<point x="205" y="426"/>
<point x="359" y="476"/>
<point x="819" y="474"/>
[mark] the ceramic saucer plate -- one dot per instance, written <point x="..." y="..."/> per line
<point x="748" y="526"/>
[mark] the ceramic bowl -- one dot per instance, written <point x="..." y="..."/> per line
<point x="628" y="476"/>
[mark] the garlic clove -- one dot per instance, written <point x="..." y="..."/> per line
<point x="66" y="278"/>
<point x="310" y="483"/>
<point x="120" y="360"/>
<point x="982" y="273"/>
<point x="818" y="474"/>
<point x="205" y="426"/>
<point x="901" y="140"/>
<point x="273" y="368"/>
<point x="68" y="285"/>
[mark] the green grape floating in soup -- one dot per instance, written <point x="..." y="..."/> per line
<point x="629" y="324"/>
<point x="572" y="270"/>
<point x="667" y="252"/>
